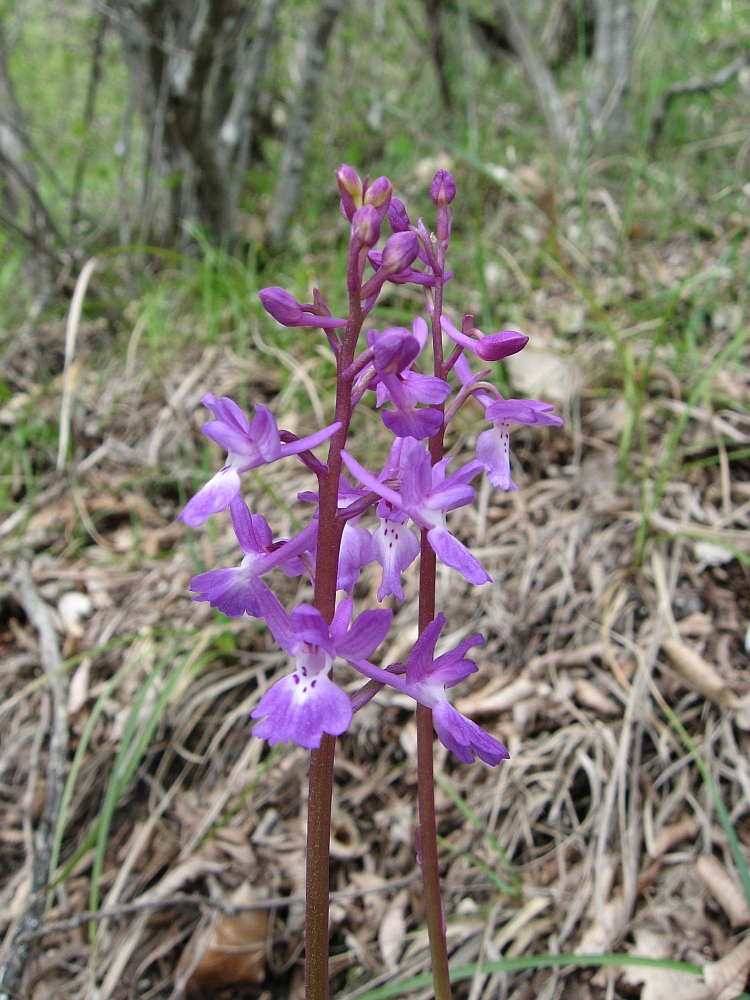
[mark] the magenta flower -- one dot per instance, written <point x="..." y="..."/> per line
<point x="426" y="679"/>
<point x="394" y="349"/>
<point x="406" y="388"/>
<point x="426" y="496"/>
<point x="235" y="591"/>
<point x="395" y="547"/>
<point x="489" y="348"/>
<point x="404" y="391"/>
<point x="286" y="310"/>
<point x="249" y="445"/>
<point x="493" y="446"/>
<point x="305" y="704"/>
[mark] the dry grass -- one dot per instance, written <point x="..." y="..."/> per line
<point x="601" y="811"/>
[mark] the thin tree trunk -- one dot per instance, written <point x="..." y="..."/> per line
<point x="545" y="89"/>
<point x="88" y="117"/>
<point x="613" y="39"/>
<point x="434" y="14"/>
<point x="196" y="79"/>
<point x="236" y="134"/>
<point x="300" y="125"/>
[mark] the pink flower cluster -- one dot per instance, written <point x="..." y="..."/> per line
<point x="410" y="496"/>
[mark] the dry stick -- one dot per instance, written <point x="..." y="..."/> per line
<point x="19" y="944"/>
<point x="190" y="899"/>
<point x="71" y="333"/>
<point x="696" y="85"/>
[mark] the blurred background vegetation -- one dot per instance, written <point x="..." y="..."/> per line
<point x="192" y="146"/>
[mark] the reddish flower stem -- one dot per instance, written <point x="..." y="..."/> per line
<point x="425" y="779"/>
<point x="330" y="529"/>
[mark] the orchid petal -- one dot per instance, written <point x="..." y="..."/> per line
<point x="464" y="738"/>
<point x="215" y="496"/>
<point x="365" y="635"/>
<point x="454" y="553"/>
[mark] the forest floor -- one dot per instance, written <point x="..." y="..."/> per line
<point x="600" y="834"/>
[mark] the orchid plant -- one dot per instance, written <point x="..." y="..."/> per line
<point x="406" y="502"/>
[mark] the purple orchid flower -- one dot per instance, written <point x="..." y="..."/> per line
<point x="249" y="445"/>
<point x="407" y="388"/>
<point x="235" y="591"/>
<point x="305" y="704"/>
<point x="404" y="391"/>
<point x="394" y="349"/>
<point x="426" y="679"/>
<point x="395" y="547"/>
<point x="493" y="446"/>
<point x="426" y="496"/>
<point x="494" y="347"/>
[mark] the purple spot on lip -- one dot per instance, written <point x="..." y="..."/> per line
<point x="296" y="679"/>
<point x="313" y="683"/>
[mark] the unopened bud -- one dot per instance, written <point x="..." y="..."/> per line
<point x="497" y="346"/>
<point x="366" y="226"/>
<point x="378" y="194"/>
<point x="350" y="189"/>
<point x="398" y="216"/>
<point x="400" y="252"/>
<point x="443" y="188"/>
<point x="395" y="349"/>
<point x="282" y="305"/>
<point x="286" y="310"/>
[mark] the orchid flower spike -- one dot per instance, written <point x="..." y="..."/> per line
<point x="426" y="679"/>
<point x="249" y="445"/>
<point x="306" y="703"/>
<point x="234" y="591"/>
<point x="426" y="496"/>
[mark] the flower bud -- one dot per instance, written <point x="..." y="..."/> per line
<point x="397" y="216"/>
<point x="350" y="189"/>
<point x="286" y="310"/>
<point x="400" y="252"/>
<point x="443" y="188"/>
<point x="282" y="305"/>
<point x="497" y="346"/>
<point x="442" y="192"/>
<point x="366" y="226"/>
<point x="378" y="194"/>
<point x="395" y="349"/>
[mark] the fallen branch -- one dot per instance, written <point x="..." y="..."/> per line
<point x="18" y="945"/>
<point x="697" y="85"/>
<point x="205" y="902"/>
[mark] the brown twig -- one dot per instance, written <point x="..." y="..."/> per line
<point x="696" y="85"/>
<point x="18" y="944"/>
<point x="192" y="899"/>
